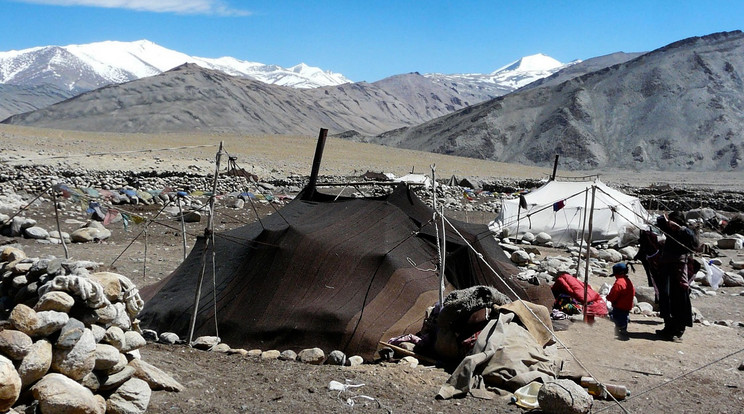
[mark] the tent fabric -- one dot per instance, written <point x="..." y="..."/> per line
<point x="329" y="272"/>
<point x="559" y="208"/>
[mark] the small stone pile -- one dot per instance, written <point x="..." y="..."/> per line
<point x="18" y="226"/>
<point x="69" y="339"/>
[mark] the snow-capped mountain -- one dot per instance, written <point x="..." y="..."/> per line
<point x="89" y="66"/>
<point x="81" y="68"/>
<point x="508" y="78"/>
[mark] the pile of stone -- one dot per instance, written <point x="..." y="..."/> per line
<point x="526" y="253"/>
<point x="18" y="226"/>
<point x="69" y="339"/>
<point x="459" y="198"/>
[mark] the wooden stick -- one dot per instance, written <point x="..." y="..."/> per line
<point x="208" y="234"/>
<point x="409" y="353"/>
<point x="183" y="226"/>
<point x="588" y="248"/>
<point x="59" y="229"/>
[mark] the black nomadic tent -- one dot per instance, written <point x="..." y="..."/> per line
<point x="329" y="272"/>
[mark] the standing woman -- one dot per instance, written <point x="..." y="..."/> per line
<point x="675" y="276"/>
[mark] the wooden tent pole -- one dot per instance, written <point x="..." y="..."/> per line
<point x="316" y="163"/>
<point x="583" y="231"/>
<point x="588" y="249"/>
<point x="555" y="168"/>
<point x="183" y="223"/>
<point x="144" y="262"/>
<point x="208" y="237"/>
<point x="442" y="276"/>
<point x="59" y="229"/>
<point x="210" y="234"/>
<point x="436" y="228"/>
<point x="519" y="210"/>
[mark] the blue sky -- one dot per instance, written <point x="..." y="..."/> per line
<point x="370" y="40"/>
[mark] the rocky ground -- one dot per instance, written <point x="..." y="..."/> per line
<point x="701" y="374"/>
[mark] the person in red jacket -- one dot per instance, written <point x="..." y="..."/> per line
<point x="621" y="296"/>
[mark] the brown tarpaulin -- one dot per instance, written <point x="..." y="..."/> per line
<point x="331" y="273"/>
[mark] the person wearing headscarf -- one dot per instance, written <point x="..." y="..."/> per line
<point x="675" y="275"/>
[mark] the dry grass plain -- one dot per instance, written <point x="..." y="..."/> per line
<point x="293" y="155"/>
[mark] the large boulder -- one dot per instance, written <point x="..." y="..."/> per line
<point x="56" y="301"/>
<point x="10" y="384"/>
<point x="11" y="254"/>
<point x="107" y="356"/>
<point x="49" y="323"/>
<point x="24" y="319"/>
<point x="543" y="238"/>
<point x="520" y="257"/>
<point x="36" y="233"/>
<point x="132" y="397"/>
<point x="70" y="334"/>
<point x="15" y="344"/>
<point x="610" y="255"/>
<point x="731" y="279"/>
<point x="564" y="396"/>
<point x="528" y="237"/>
<point x="155" y="377"/>
<point x="36" y="363"/>
<point x="78" y="361"/>
<point x="93" y="231"/>
<point x="314" y="356"/>
<point x="111" y="284"/>
<point x="57" y="393"/>
<point x="628" y="252"/>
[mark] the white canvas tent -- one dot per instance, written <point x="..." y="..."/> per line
<point x="560" y="208"/>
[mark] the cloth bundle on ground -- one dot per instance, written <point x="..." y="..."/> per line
<point x="567" y="285"/>
<point x="509" y="353"/>
<point x="465" y="312"/>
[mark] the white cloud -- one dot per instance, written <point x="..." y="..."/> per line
<point x="214" y="7"/>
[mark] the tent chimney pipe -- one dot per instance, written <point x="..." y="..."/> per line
<point x="316" y="161"/>
<point x="555" y="167"/>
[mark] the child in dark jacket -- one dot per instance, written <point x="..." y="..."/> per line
<point x="621" y="296"/>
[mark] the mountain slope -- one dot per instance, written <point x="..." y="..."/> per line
<point x="680" y="107"/>
<point x="190" y="97"/>
<point x="18" y="99"/>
